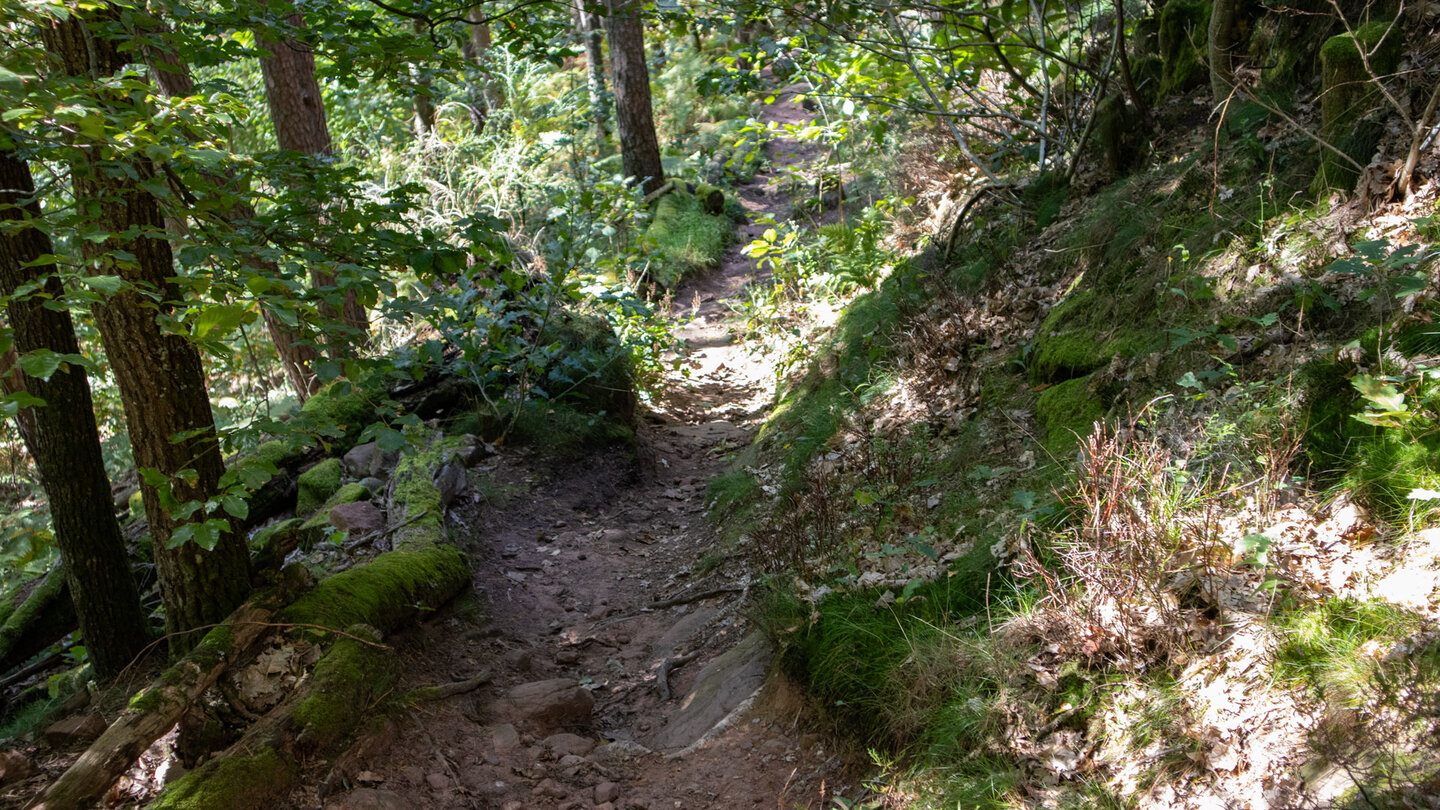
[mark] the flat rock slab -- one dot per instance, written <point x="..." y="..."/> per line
<point x="370" y="799"/>
<point x="361" y="517"/>
<point x="556" y="702"/>
<point x="721" y="686"/>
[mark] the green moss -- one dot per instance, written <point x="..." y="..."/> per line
<point x="137" y="505"/>
<point x="1349" y="99"/>
<point x="389" y="590"/>
<point x="875" y="669"/>
<point x="598" y="376"/>
<point x="684" y="238"/>
<point x="1080" y="335"/>
<point x="276" y="453"/>
<point x="1066" y="412"/>
<point x="352" y="675"/>
<point x="1183" y="36"/>
<point x="28" y="612"/>
<point x="316" y="485"/>
<point x="349" y="493"/>
<point x="346" y="405"/>
<point x="1116" y="128"/>
<point x="241" y="781"/>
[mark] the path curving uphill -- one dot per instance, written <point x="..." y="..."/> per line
<point x="623" y="672"/>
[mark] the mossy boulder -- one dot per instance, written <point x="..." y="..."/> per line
<point x="1080" y="335"/>
<point x="1351" y="104"/>
<point x="347" y="406"/>
<point x="1183" y="39"/>
<point x="316" y="485"/>
<point x="684" y="237"/>
<point x="1066" y="412"/>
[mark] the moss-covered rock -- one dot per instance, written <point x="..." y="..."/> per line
<point x="1081" y="335"/>
<point x="1350" y="99"/>
<point x="345" y="405"/>
<point x="316" y="485"/>
<point x="253" y="779"/>
<point x="1067" y="412"/>
<point x="684" y="237"/>
<point x="1183" y="38"/>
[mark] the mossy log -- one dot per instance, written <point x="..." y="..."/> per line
<point x="421" y="575"/>
<point x="156" y="710"/>
<point x="32" y="623"/>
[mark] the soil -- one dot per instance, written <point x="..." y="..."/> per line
<point x="605" y="572"/>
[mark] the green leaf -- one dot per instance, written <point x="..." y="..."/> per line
<point x="235" y="506"/>
<point x="1381" y="395"/>
<point x="41" y="363"/>
<point x="222" y="319"/>
<point x="1255" y="548"/>
<point x="105" y="285"/>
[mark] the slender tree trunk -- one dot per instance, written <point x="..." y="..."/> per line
<point x="296" y="356"/>
<point x="297" y="111"/>
<point x="1127" y="79"/>
<point x="591" y="32"/>
<point x="424" y="94"/>
<point x="488" y="95"/>
<point x="64" y="441"/>
<point x="634" y="119"/>
<point x="159" y="373"/>
<point x="1222" y="45"/>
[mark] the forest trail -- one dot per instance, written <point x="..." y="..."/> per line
<point x="623" y="670"/>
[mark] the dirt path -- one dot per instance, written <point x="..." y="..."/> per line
<point x="624" y="671"/>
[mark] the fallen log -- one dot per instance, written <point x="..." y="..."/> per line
<point x="372" y="600"/>
<point x="44" y="616"/>
<point x="156" y="710"/>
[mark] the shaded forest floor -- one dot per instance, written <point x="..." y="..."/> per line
<point x="601" y="573"/>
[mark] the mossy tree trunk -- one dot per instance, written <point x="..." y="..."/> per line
<point x="1350" y="95"/>
<point x="159" y="373"/>
<point x="297" y="111"/>
<point x="634" y="117"/>
<point x="66" y="442"/>
<point x="1225" y="40"/>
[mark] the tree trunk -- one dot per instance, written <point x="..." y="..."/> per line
<point x="590" y="30"/>
<point x="297" y="111"/>
<point x="159" y="373"/>
<point x="66" y="443"/>
<point x="1223" y="42"/>
<point x="296" y="356"/>
<point x="424" y="93"/>
<point x="486" y="96"/>
<point x="634" y="120"/>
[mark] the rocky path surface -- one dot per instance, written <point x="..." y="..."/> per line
<point x="624" y="672"/>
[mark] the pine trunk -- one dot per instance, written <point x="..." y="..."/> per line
<point x="65" y="442"/>
<point x="297" y="111"/>
<point x="161" y="380"/>
<point x="634" y="119"/>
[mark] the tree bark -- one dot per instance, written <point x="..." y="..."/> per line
<point x="424" y="93"/>
<point x="589" y="28"/>
<point x="1222" y="44"/>
<point x="159" y="373"/>
<point x="488" y="95"/>
<point x="634" y="118"/>
<point x="296" y="356"/>
<point x="64" y="441"/>
<point x="297" y="111"/>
